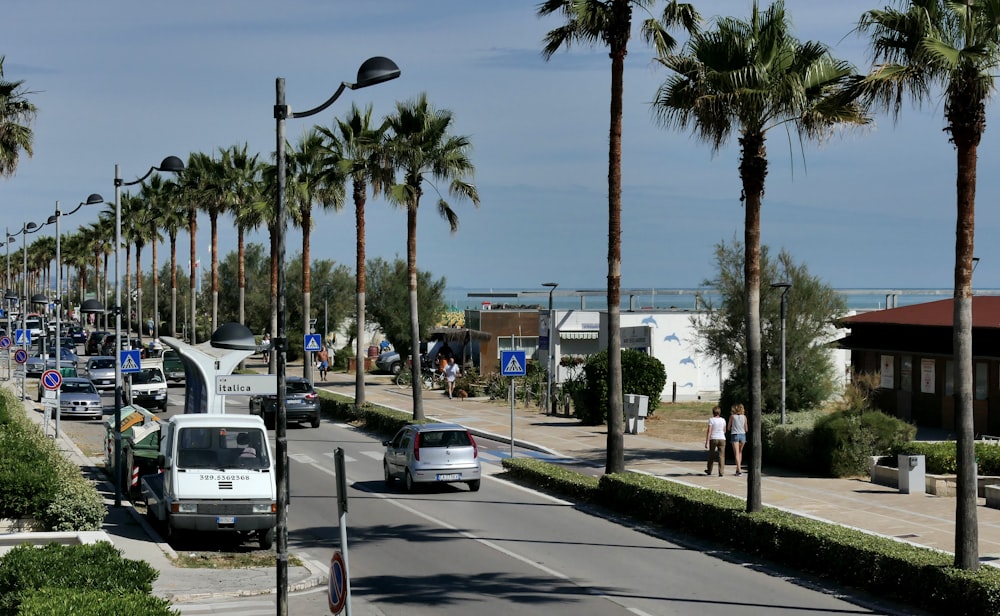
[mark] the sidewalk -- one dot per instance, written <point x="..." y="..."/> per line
<point x="921" y="519"/>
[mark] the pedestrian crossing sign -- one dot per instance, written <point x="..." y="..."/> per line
<point x="313" y="342"/>
<point x="513" y="363"/>
<point x="130" y="361"/>
<point x="22" y="337"/>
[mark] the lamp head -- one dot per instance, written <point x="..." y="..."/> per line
<point x="92" y="306"/>
<point x="39" y="298"/>
<point x="29" y="226"/>
<point x="10" y="295"/>
<point x="234" y="336"/>
<point x="375" y="70"/>
<point x="170" y="164"/>
<point x="550" y="284"/>
<point x="51" y="219"/>
<point x="94" y="199"/>
<point x="781" y="285"/>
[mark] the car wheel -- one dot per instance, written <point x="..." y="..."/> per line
<point x="266" y="538"/>
<point x="410" y="486"/>
<point x="395" y="368"/>
<point x="474" y="485"/>
<point x="315" y="422"/>
<point x="388" y="476"/>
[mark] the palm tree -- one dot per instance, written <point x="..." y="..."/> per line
<point x="356" y="149"/>
<point x="610" y="22"/>
<point x="16" y="115"/>
<point x="421" y="147"/>
<point x="195" y="186"/>
<point x="157" y="193"/>
<point x="242" y="187"/>
<point x="748" y="77"/>
<point x="955" y="46"/>
<point x="310" y="181"/>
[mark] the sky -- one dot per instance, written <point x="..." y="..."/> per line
<point x="129" y="83"/>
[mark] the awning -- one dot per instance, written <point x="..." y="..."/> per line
<point x="578" y="335"/>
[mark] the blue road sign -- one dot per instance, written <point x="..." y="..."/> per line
<point x="130" y="360"/>
<point x="513" y="363"/>
<point x="51" y="380"/>
<point x="22" y="337"/>
<point x="5" y="342"/>
<point x="20" y="356"/>
<point x="337" y="583"/>
<point x="312" y="342"/>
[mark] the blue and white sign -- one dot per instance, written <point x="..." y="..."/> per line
<point x="130" y="360"/>
<point x="313" y="342"/>
<point x="22" y="337"/>
<point x="513" y="363"/>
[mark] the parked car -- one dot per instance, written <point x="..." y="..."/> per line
<point x="301" y="404"/>
<point x="36" y="364"/>
<point x="432" y="453"/>
<point x="389" y="361"/>
<point x="79" y="398"/>
<point x="101" y="371"/>
<point x="94" y="341"/>
<point x="173" y="367"/>
<point x="67" y="372"/>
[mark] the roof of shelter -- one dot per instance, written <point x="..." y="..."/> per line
<point x="458" y="334"/>
<point x="985" y="313"/>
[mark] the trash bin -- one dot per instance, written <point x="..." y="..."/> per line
<point x="636" y="409"/>
<point x="911" y="474"/>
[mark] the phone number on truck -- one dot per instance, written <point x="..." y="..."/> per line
<point x="223" y="477"/>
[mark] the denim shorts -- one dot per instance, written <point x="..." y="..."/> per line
<point x="738" y="438"/>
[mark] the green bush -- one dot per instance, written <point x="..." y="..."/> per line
<point x="845" y="441"/>
<point x="94" y="567"/>
<point x="77" y="506"/>
<point x="641" y="374"/>
<point x="941" y="458"/>
<point x="76" y="602"/>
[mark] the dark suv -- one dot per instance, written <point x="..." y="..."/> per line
<point x="301" y="404"/>
<point x="94" y="340"/>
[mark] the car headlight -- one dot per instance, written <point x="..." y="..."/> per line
<point x="263" y="508"/>
<point x="187" y="508"/>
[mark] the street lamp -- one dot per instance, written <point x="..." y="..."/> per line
<point x="93" y="199"/>
<point x="552" y="350"/>
<point x="372" y="71"/>
<point x="26" y="228"/>
<point x="170" y="164"/>
<point x="784" y="286"/>
<point x="8" y="299"/>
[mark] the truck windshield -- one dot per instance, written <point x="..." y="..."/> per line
<point x="147" y="375"/>
<point x="222" y="447"/>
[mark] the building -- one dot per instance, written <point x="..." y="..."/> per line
<point x="911" y="349"/>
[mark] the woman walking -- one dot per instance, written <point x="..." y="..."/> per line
<point x="716" y="436"/>
<point x="738" y="435"/>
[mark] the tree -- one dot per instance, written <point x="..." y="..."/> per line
<point x="157" y="193"/>
<point x="356" y="148"/>
<point x="243" y="190"/>
<point x="953" y="45"/>
<point x="421" y="147"/>
<point x="749" y="77"/>
<point x="811" y="308"/>
<point x="390" y="297"/>
<point x="609" y="22"/>
<point x="16" y="115"/>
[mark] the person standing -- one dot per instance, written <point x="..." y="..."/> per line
<point x="715" y="440"/>
<point x="738" y="435"/>
<point x="323" y="362"/>
<point x="451" y="372"/>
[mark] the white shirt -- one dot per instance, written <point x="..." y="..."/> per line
<point x="718" y="425"/>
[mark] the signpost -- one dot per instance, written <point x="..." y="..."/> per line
<point x="512" y="363"/>
<point x="246" y="384"/>
<point x="337" y="591"/>
<point x="340" y="579"/>
<point x="21" y="357"/>
<point x="51" y="381"/>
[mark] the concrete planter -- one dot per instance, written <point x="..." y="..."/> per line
<point x="20" y="525"/>
<point x="937" y="485"/>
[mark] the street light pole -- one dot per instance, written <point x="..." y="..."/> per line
<point x="784" y="286"/>
<point x="551" y="351"/>
<point x="372" y="71"/>
<point x="170" y="164"/>
<point x="26" y="228"/>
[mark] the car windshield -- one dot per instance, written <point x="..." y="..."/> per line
<point x="78" y="387"/>
<point x="298" y="387"/>
<point x="147" y="375"/>
<point x="101" y="364"/>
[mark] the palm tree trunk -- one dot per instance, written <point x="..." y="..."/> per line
<point x="616" y="413"/>
<point x="360" y="282"/>
<point x="193" y="232"/>
<point x="753" y="171"/>
<point x="138" y="290"/>
<point x="215" y="271"/>
<point x="173" y="285"/>
<point x="307" y="361"/>
<point x="156" y="294"/>
<point x="411" y="271"/>
<point x="966" y="524"/>
<point x="241" y="254"/>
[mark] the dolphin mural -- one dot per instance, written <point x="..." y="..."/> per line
<point x="672" y="338"/>
<point x="688" y="384"/>
<point x="649" y="319"/>
<point x="688" y="360"/>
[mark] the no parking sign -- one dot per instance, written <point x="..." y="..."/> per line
<point x="51" y="380"/>
<point x="337" y="596"/>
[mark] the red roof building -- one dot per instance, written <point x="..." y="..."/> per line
<point x="911" y="348"/>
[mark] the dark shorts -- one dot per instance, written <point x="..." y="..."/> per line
<point x="738" y="438"/>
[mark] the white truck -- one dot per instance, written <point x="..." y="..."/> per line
<point x="148" y="386"/>
<point x="218" y="475"/>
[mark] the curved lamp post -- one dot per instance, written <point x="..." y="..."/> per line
<point x="372" y="71"/>
<point x="170" y="164"/>
<point x="551" y="351"/>
<point x="26" y="228"/>
<point x="8" y="301"/>
<point x="784" y="286"/>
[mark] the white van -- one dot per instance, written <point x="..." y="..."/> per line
<point x="148" y="387"/>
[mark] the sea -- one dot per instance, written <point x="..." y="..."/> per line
<point x="461" y="298"/>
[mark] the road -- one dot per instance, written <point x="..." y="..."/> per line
<point x="503" y="550"/>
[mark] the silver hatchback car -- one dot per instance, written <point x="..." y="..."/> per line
<point x="101" y="372"/>
<point x="432" y="453"/>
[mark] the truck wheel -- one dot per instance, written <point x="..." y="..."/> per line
<point x="266" y="538"/>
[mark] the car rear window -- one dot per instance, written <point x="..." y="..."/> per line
<point x="102" y="363"/>
<point x="445" y="438"/>
<point x="298" y="387"/>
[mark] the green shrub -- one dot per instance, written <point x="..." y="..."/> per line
<point x="95" y="567"/>
<point x="641" y="374"/>
<point x="77" y="506"/>
<point x="846" y="440"/>
<point x="77" y="602"/>
<point x="940" y="458"/>
<point x="553" y="477"/>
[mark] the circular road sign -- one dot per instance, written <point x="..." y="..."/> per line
<point x="337" y="596"/>
<point x="20" y="356"/>
<point x="51" y="380"/>
<point x="5" y="342"/>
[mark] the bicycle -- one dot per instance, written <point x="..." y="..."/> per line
<point x="430" y="379"/>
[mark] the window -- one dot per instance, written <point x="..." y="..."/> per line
<point x="982" y="382"/>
